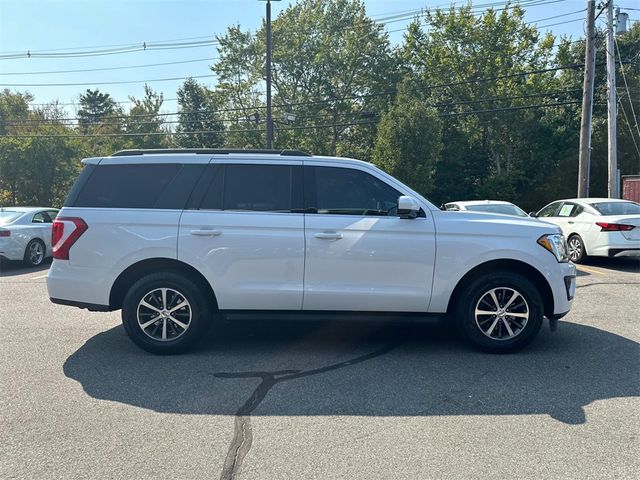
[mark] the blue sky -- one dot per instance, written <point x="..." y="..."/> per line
<point x="45" y="25"/>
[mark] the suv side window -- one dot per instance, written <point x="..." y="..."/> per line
<point x="258" y="188"/>
<point x="165" y="186"/>
<point x="550" y="210"/>
<point x="347" y="191"/>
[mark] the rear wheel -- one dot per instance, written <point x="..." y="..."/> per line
<point x="500" y="312"/>
<point x="576" y="249"/>
<point x="165" y="313"/>
<point x="34" y="253"/>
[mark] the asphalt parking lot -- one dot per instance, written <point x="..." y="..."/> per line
<point x="321" y="400"/>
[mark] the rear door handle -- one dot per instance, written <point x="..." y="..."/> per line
<point x="328" y="235"/>
<point x="572" y="222"/>
<point x="204" y="232"/>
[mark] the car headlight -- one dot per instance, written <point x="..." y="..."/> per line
<point x="556" y="244"/>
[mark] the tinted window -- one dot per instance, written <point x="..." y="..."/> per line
<point x="346" y="191"/>
<point x="261" y="188"/>
<point x="52" y="214"/>
<point x="550" y="210"/>
<point x="138" y="186"/>
<point x="617" y="208"/>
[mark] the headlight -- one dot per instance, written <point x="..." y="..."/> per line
<point x="556" y="244"/>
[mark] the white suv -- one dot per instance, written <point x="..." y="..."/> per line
<point x="173" y="237"/>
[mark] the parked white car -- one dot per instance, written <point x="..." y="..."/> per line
<point x="25" y="233"/>
<point x="604" y="227"/>
<point x="487" y="206"/>
<point x="172" y="237"/>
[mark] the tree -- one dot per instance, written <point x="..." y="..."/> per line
<point x="95" y="107"/>
<point x="474" y="70"/>
<point x="409" y="143"/>
<point x="199" y="123"/>
<point x="330" y="63"/>
<point x="145" y="122"/>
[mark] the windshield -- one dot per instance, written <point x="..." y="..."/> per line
<point x="8" y="216"/>
<point x="498" y="208"/>
<point x="617" y="208"/>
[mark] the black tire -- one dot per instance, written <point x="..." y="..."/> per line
<point x="196" y="314"/>
<point x="478" y="294"/>
<point x="30" y="258"/>
<point x="577" y="253"/>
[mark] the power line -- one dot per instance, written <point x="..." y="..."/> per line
<point x="84" y="84"/>
<point x="629" y="125"/>
<point x="624" y="77"/>
<point x="308" y="127"/>
<point x="111" y="68"/>
<point x="261" y="107"/>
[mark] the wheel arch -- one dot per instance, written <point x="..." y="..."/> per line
<point x="506" y="265"/>
<point x="154" y="265"/>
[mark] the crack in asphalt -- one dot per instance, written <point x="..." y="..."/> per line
<point x="242" y="435"/>
<point x="607" y="283"/>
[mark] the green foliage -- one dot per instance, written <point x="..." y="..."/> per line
<point x="198" y="114"/>
<point x="409" y="143"/>
<point x="447" y="111"/>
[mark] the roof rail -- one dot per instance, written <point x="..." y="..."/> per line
<point x="210" y="151"/>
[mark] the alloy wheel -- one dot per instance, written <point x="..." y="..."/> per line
<point x="575" y="249"/>
<point x="36" y="253"/>
<point x="164" y="314"/>
<point x="502" y="313"/>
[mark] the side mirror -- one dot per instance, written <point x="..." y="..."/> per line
<point x="533" y="214"/>
<point x="408" y="207"/>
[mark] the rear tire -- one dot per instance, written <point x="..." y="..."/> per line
<point x="577" y="252"/>
<point x="166" y="313"/>
<point x="499" y="312"/>
<point x="34" y="253"/>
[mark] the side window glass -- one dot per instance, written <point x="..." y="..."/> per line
<point x="261" y="188"/>
<point x="38" y="218"/>
<point x="346" y="191"/>
<point x="52" y="214"/>
<point x="567" y="210"/>
<point x="550" y="210"/>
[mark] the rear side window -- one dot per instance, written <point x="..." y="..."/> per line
<point x="165" y="186"/>
<point x="258" y="188"/>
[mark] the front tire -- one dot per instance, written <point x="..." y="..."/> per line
<point x="500" y="312"/>
<point x="577" y="252"/>
<point x="34" y="253"/>
<point x="165" y="313"/>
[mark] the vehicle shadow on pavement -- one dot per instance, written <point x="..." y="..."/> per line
<point x="616" y="264"/>
<point x="379" y="369"/>
<point x="14" y="268"/>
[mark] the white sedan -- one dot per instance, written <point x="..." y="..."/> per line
<point x="488" y="206"/>
<point x="604" y="227"/>
<point x="25" y="233"/>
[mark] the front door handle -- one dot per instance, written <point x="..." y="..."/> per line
<point x="206" y="232"/>
<point x="571" y="222"/>
<point x="328" y="235"/>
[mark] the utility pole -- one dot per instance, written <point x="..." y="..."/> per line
<point x="612" y="109"/>
<point x="269" y="119"/>
<point x="584" y="159"/>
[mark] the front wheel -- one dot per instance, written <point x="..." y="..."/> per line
<point x="576" y="249"/>
<point x="165" y="313"/>
<point x="500" y="312"/>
